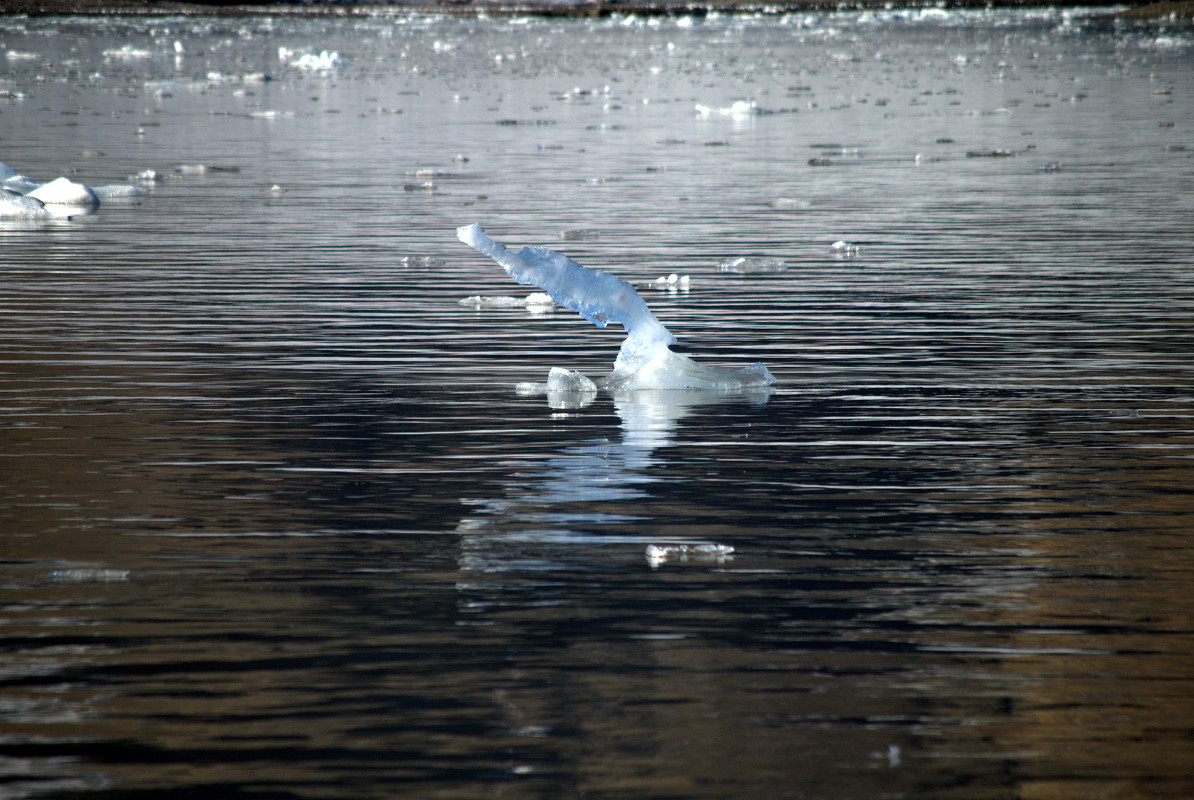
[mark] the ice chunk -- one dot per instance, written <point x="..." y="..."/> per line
<point x="843" y="249"/>
<point x="671" y="283"/>
<point x="536" y="302"/>
<point x="749" y="265"/>
<point x="567" y="380"/>
<point x="21" y="184"/>
<point x="89" y="575"/>
<point x="789" y="204"/>
<point x="644" y="360"/>
<point x="699" y="552"/>
<point x="597" y="296"/>
<point x="741" y="108"/>
<point x="18" y="207"/>
<point x="118" y="191"/>
<point x="311" y="62"/>
<point x="64" y="192"/>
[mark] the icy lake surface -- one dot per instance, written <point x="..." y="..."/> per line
<point x="274" y="520"/>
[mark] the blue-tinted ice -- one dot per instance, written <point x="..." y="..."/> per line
<point x="644" y="360"/>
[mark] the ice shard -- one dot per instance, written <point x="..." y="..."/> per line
<point x="644" y="360"/>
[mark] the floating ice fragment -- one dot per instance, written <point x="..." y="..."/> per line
<point x="325" y="60"/>
<point x="699" y="553"/>
<point x="578" y="234"/>
<point x="118" y="191"/>
<point x="843" y="249"/>
<point x="644" y="360"/>
<point x="537" y="302"/>
<point x="749" y="265"/>
<point x="127" y="53"/>
<point x="20" y="184"/>
<point x="421" y="261"/>
<point x="671" y="283"/>
<point x="64" y="192"/>
<point x="16" y="206"/>
<point x="740" y="108"/>
<point x="89" y="575"/>
<point x="567" y="380"/>
<point x="789" y="204"/>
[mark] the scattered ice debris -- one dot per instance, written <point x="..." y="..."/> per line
<point x="127" y="53"/>
<point x="202" y="169"/>
<point x="844" y="249"/>
<point x="1052" y="166"/>
<point x="789" y="204"/>
<point x="698" y="553"/>
<point x="671" y="283"/>
<point x="644" y="361"/>
<point x="750" y="265"/>
<point x="310" y="62"/>
<point x="535" y="301"/>
<point x="740" y="108"/>
<point x="84" y="575"/>
<point x="421" y="261"/>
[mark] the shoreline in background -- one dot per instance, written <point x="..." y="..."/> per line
<point x="576" y="8"/>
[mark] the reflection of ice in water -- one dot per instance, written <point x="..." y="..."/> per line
<point x="545" y="514"/>
<point x="644" y="361"/>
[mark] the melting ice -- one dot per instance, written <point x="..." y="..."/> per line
<point x="644" y="360"/>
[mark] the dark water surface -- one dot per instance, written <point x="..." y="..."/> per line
<point x="275" y="523"/>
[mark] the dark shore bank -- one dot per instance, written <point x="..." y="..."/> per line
<point x="1155" y="10"/>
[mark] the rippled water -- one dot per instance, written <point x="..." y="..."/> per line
<point x="276" y="523"/>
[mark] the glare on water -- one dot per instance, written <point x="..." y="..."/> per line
<point x="276" y="521"/>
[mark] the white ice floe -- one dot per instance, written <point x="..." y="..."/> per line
<point x="789" y="204"/>
<point x="695" y="553"/>
<point x="644" y="360"/>
<point x="535" y="301"/>
<point x="752" y="265"/>
<point x="844" y="249"/>
<point x="311" y="62"/>
<point x="65" y="192"/>
<point x="127" y="52"/>
<point x="15" y="206"/>
<point x="22" y="197"/>
<point x="740" y="108"/>
<point x="671" y="283"/>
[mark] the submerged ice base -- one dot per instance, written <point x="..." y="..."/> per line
<point x="644" y="360"/>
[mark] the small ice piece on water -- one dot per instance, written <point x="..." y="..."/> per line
<point x="644" y="360"/>
<point x="500" y="301"/>
<point x="750" y="265"/>
<point x="318" y="63"/>
<point x="671" y="283"/>
<point x="740" y="108"/>
<point x="567" y="380"/>
<point x="579" y="234"/>
<point x="789" y="204"/>
<point x="84" y="575"/>
<point x="695" y="553"/>
<point x="118" y="191"/>
<point x="537" y="302"/>
<point x="65" y="192"/>
<point x="843" y="249"/>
